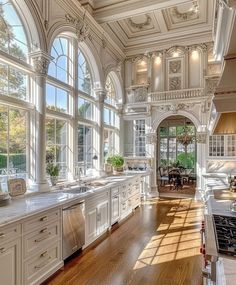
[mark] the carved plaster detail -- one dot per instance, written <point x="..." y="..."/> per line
<point x="138" y="94"/>
<point x="40" y="62"/>
<point x="82" y="29"/>
<point x="176" y="107"/>
<point x="211" y="84"/>
<point x="201" y="137"/>
<point x="175" y="83"/>
<point x="189" y="15"/>
<point x="175" y="66"/>
<point x="140" y="26"/>
<point x="100" y="95"/>
<point x="151" y="138"/>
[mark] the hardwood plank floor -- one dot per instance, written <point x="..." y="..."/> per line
<point x="158" y="245"/>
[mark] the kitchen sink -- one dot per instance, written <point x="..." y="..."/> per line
<point x="79" y="189"/>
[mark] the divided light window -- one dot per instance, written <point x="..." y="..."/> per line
<point x="13" y="39"/>
<point x="57" y="99"/>
<point x="13" y="143"/>
<point x="85" y="149"/>
<point x="85" y="108"/>
<point x="59" y="67"/>
<point x="84" y="76"/>
<point x="13" y="82"/>
<point x="140" y="138"/>
<point x="57" y="144"/>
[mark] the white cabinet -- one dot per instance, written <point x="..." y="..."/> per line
<point x="91" y="224"/>
<point x="115" y="205"/>
<point x="96" y="216"/>
<point x="42" y="244"/>
<point x="102" y="217"/>
<point x="10" y="262"/>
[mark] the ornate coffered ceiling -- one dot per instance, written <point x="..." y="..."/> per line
<point x="139" y="26"/>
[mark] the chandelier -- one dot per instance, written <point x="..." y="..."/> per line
<point x="186" y="137"/>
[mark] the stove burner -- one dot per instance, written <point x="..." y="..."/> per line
<point x="225" y="228"/>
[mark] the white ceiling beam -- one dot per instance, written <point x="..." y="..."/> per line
<point x="124" y="10"/>
<point x="161" y="21"/>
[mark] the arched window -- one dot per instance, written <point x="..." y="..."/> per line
<point x="12" y="35"/>
<point x="14" y="119"/>
<point x="111" y="120"/>
<point x="60" y="65"/>
<point x="84" y="76"/>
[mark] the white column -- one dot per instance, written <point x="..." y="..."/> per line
<point x="152" y="146"/>
<point x="100" y="97"/>
<point x="201" y="164"/>
<point x="121" y="131"/>
<point x="40" y="63"/>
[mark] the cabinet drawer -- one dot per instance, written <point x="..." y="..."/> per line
<point x="41" y="220"/>
<point x="124" y="195"/>
<point x="39" y="238"/>
<point x="114" y="191"/>
<point x="42" y="263"/>
<point x="9" y="233"/>
<point x="135" y="201"/>
<point x="124" y="207"/>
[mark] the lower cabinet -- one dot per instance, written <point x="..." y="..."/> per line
<point x="115" y="205"/>
<point x="10" y="262"/>
<point x="96" y="216"/>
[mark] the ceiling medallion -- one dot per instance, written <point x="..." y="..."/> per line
<point x="140" y="26"/>
<point x="193" y="12"/>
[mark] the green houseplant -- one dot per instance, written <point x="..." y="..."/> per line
<point x="117" y="161"/>
<point x="53" y="171"/>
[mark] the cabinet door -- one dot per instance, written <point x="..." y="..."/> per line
<point x="91" y="225"/>
<point x="102" y="217"/>
<point x="115" y="209"/>
<point x="10" y="263"/>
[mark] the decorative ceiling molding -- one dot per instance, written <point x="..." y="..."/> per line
<point x="140" y="26"/>
<point x="192" y="14"/>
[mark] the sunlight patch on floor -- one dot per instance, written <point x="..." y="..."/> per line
<point x="179" y="238"/>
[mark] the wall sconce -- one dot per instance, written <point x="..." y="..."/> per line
<point x="195" y="54"/>
<point x="158" y="60"/>
<point x="175" y="53"/>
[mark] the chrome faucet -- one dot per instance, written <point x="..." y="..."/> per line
<point x="78" y="172"/>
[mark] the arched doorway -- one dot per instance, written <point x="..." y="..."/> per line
<point x="176" y="155"/>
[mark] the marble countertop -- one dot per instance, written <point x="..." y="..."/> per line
<point x="33" y="203"/>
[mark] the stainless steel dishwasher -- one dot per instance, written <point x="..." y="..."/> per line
<point x="73" y="229"/>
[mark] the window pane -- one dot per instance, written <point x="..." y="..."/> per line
<point x="163" y="131"/>
<point x="61" y="132"/>
<point x="172" y="131"/>
<point x="85" y="108"/>
<point x="59" y="67"/>
<point x="13" y="82"/>
<point x="84" y="76"/>
<point x="12" y="35"/>
<point x="50" y="131"/>
<point x="106" y="116"/>
<point x="57" y="98"/>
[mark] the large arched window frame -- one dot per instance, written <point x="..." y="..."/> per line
<point x="15" y="102"/>
<point x="70" y="104"/>
<point x="111" y="120"/>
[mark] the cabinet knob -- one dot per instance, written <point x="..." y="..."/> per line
<point x="2" y="235"/>
<point x="44" y="254"/>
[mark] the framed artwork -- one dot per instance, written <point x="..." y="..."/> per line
<point x="16" y="186"/>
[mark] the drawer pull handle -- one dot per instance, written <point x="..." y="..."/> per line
<point x="42" y="238"/>
<point x="44" y="254"/>
<point x="2" y="235"/>
<point x="2" y="250"/>
<point x="42" y="264"/>
<point x="43" y="218"/>
<point x="43" y="230"/>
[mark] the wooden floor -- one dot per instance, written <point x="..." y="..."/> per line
<point x="158" y="245"/>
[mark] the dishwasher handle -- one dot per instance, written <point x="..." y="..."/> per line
<point x="73" y="206"/>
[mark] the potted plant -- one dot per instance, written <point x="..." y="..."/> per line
<point x="53" y="171"/>
<point x="117" y="161"/>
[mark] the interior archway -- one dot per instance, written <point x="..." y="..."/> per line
<point x="176" y="155"/>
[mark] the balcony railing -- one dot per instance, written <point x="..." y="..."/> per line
<point x="176" y="95"/>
